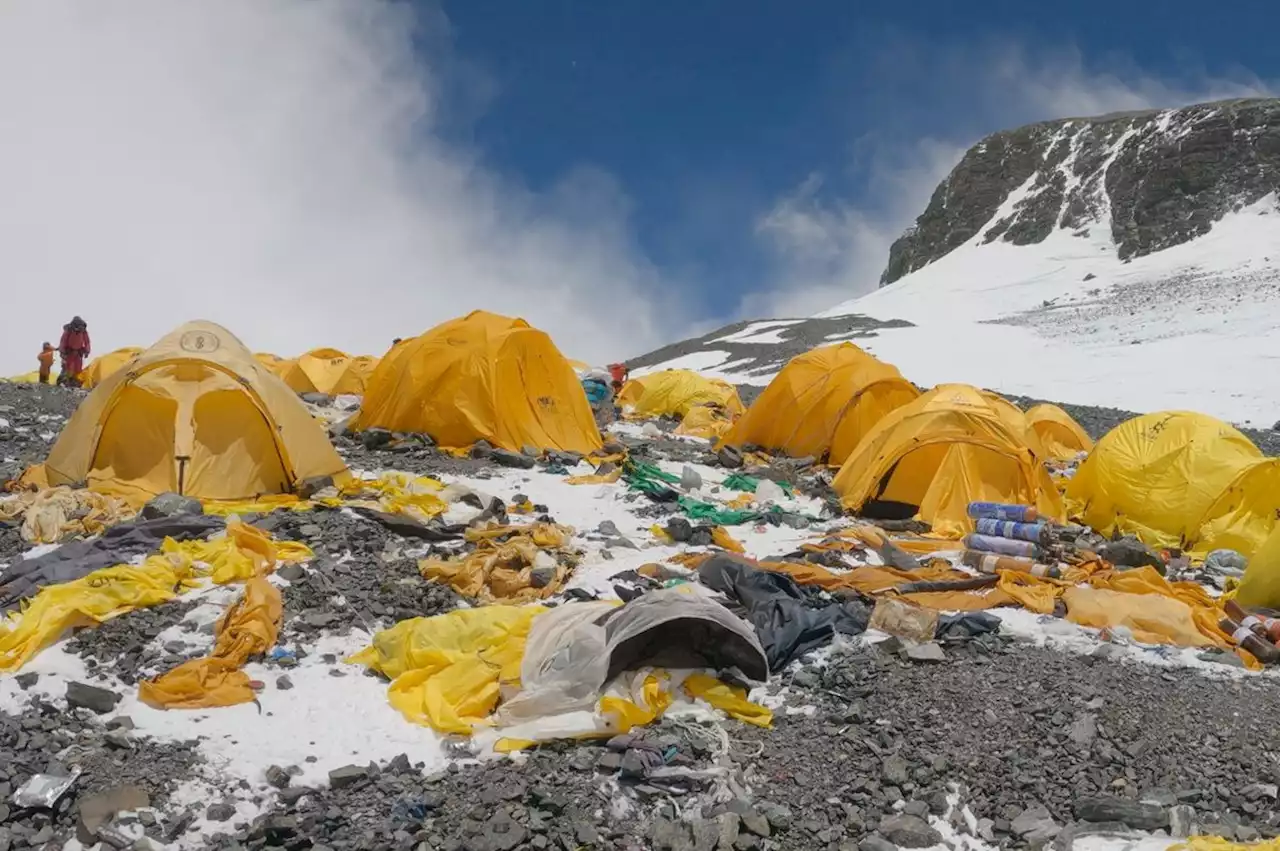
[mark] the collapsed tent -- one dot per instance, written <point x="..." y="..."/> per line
<point x="104" y="365"/>
<point x="1178" y="479"/>
<point x="1062" y="436"/>
<point x="674" y="393"/>
<point x="934" y="456"/>
<point x="561" y="672"/>
<point x="194" y="414"/>
<point x="481" y="377"/>
<point x="822" y="403"/>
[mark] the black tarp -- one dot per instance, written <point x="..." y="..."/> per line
<point x="116" y="545"/>
<point x="785" y="619"/>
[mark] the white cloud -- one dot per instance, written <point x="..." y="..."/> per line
<point x="278" y="167"/>
<point x="831" y="250"/>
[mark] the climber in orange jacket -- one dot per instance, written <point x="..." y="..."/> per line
<point x="46" y="362"/>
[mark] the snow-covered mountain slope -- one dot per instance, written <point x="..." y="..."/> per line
<point x="1149" y="288"/>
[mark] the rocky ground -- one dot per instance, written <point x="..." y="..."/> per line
<point x="996" y="741"/>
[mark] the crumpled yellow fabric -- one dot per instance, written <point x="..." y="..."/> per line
<point x="1217" y="843"/>
<point x="89" y="601"/>
<point x="731" y="700"/>
<point x="502" y="567"/>
<point x="706" y="421"/>
<point x="245" y="552"/>
<point x="401" y="493"/>
<point x="721" y="538"/>
<point x="262" y="505"/>
<point x="447" y="671"/>
<point x="655" y="699"/>
<point x="52" y="514"/>
<point x="596" y="479"/>
<point x="247" y="628"/>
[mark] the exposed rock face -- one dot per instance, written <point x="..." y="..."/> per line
<point x="1156" y="179"/>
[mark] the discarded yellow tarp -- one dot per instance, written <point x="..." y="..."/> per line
<point x="1062" y="436"/>
<point x="1153" y="619"/>
<point x="709" y="422"/>
<point x="245" y="552"/>
<point x="822" y="403"/>
<point x="1217" y="843"/>
<point x="511" y="564"/>
<point x="674" y="393"/>
<point x="481" y="377"/>
<point x="52" y="514"/>
<point x="89" y="601"/>
<point x="447" y="671"/>
<point x="937" y="454"/>
<point x="247" y="628"/>
<point x="1162" y="477"/>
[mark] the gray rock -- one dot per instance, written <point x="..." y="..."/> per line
<point x="930" y="651"/>
<point x="284" y="683"/>
<point x="277" y="776"/>
<point x="690" y="479"/>
<point x="374" y="439"/>
<point x="909" y="831"/>
<point x="517" y="460"/>
<point x="876" y="842"/>
<point x="170" y="505"/>
<point x="730" y="827"/>
<point x="1136" y="815"/>
<point x="85" y="696"/>
<point x="340" y="778"/>
<point x="1260" y="791"/>
<point x="729" y="457"/>
<point x="780" y="817"/>
<point x="1035" y="826"/>
<point x="756" y="822"/>
<point x="1083" y="731"/>
<point x="481" y="449"/>
<point x="222" y="811"/>
<point x="292" y="572"/>
<point x="608" y="529"/>
<point x="541" y="577"/>
<point x="1182" y="821"/>
<point x="680" y="530"/>
<point x="895" y="770"/>
<point x="27" y="680"/>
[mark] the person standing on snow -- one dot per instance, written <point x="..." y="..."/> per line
<point x="74" y="348"/>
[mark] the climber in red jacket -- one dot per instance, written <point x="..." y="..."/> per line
<point x="74" y="348"/>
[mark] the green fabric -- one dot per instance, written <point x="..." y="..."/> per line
<point x="743" y="482"/>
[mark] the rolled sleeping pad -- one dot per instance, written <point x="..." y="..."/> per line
<point x="1008" y="529"/>
<point x="1004" y="511"/>
<point x="1002" y="546"/>
<point x="992" y="563"/>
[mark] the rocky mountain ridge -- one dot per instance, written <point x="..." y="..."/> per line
<point x="1156" y="179"/>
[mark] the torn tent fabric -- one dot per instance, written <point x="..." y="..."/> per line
<point x="510" y="564"/>
<point x="89" y="601"/>
<point x="245" y="552"/>
<point x="577" y="670"/>
<point x="51" y="514"/>
<point x="246" y="629"/>
<point x="117" y="545"/>
<point x="787" y="626"/>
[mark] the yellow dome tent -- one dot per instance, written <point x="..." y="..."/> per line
<point x="822" y="403"/>
<point x="1062" y="436"/>
<point x="934" y="456"/>
<point x="196" y="414"/>
<point x="324" y="367"/>
<point x="270" y="361"/>
<point x="288" y="371"/>
<point x="1015" y="419"/>
<point x="481" y="377"/>
<point x="1261" y="583"/>
<point x="675" y="392"/>
<point x="355" y="377"/>
<point x="104" y="365"/>
<point x="1164" y="476"/>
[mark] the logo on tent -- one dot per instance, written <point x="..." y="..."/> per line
<point x="546" y="402"/>
<point x="199" y="342"/>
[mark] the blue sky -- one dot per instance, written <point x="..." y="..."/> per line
<point x="619" y="173"/>
<point x="707" y="112"/>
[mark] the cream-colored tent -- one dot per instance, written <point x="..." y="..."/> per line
<point x="197" y="414"/>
